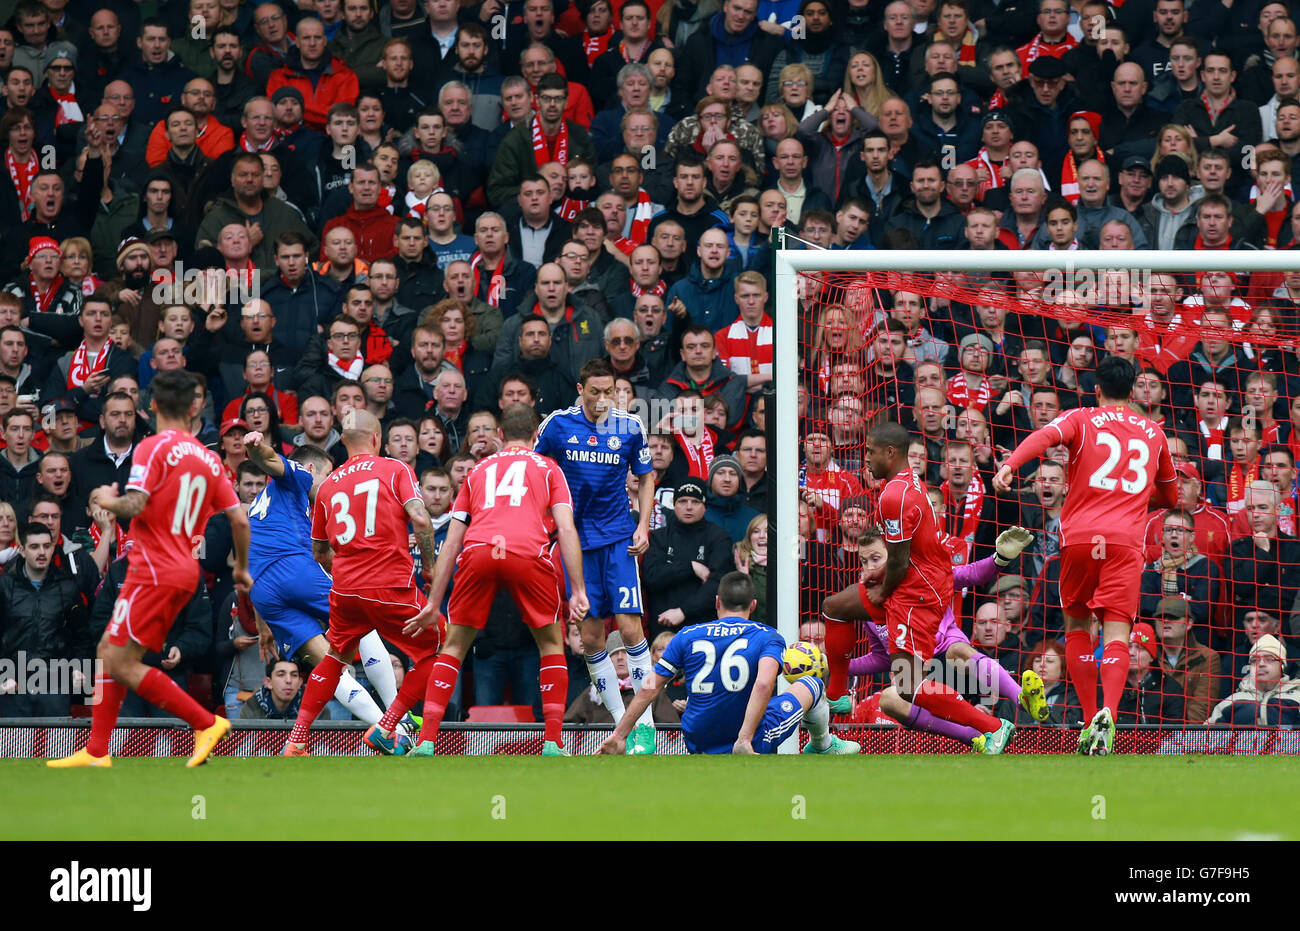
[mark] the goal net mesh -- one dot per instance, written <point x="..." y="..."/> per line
<point x="971" y="365"/>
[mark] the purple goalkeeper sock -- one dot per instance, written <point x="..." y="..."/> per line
<point x="920" y="719"/>
<point x="986" y="669"/>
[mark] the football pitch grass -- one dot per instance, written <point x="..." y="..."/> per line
<point x="866" y="797"/>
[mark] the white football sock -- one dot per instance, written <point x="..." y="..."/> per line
<point x="601" y="669"/>
<point x="638" y="661"/>
<point x="378" y="667"/>
<point x="818" y="721"/>
<point x="353" y="695"/>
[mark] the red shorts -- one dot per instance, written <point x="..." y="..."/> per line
<point x="355" y="614"/>
<point x="530" y="580"/>
<point x="145" y="612"/>
<point x="1108" y="586"/>
<point x="912" y="628"/>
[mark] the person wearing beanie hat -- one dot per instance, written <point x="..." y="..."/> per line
<point x="43" y="290"/>
<point x="1083" y="129"/>
<point x="1150" y="696"/>
<point x="1174" y="206"/>
<point x="1267" y="696"/>
<point x="726" y="505"/>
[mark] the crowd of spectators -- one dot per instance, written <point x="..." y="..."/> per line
<point x="432" y="209"/>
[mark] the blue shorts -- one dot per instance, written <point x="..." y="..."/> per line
<point x="613" y="580"/>
<point x="784" y="712"/>
<point x="292" y="595"/>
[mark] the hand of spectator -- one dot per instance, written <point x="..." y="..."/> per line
<point x="742" y="748"/>
<point x="32" y="410"/>
<point x="1005" y="171"/>
<point x="1003" y="455"/>
<point x="701" y="571"/>
<point x="489" y="9"/>
<point x="1264" y="542"/>
<point x="673" y="617"/>
<point x="1272" y="196"/>
<point x="1225" y="138"/>
<point x="678" y="309"/>
<point x="810" y="497"/>
<point x="215" y="320"/>
<point x="254" y="233"/>
<point x="742" y="561"/>
<point x="103" y="519"/>
<point x="1008" y="399"/>
<point x="95" y="382"/>
<point x="129" y="296"/>
<point x="680" y="705"/>
<point x="267" y="648"/>
<point x="1002" y="481"/>
<point x="613" y="745"/>
<point x="768" y="26"/>
<point x="78" y="681"/>
<point x="172" y="659"/>
<point x="243" y="642"/>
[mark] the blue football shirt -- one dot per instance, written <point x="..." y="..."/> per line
<point x="594" y="459"/>
<point x="720" y="662"/>
<point x="280" y="518"/>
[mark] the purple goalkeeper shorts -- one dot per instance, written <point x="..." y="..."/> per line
<point x="950" y="633"/>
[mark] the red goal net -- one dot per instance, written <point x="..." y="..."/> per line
<point x="971" y="365"/>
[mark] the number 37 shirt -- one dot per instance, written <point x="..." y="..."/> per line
<point x="1117" y="458"/>
<point x="361" y="512"/>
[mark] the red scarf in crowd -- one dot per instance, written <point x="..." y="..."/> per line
<point x="961" y="397"/>
<point x="44" y="299"/>
<point x="386" y="195"/>
<point x="353" y="370"/>
<point x="1200" y="243"/>
<point x="543" y="151"/>
<point x="80" y="368"/>
<point x="570" y="208"/>
<point x="1037" y="48"/>
<point x="276" y="135"/>
<point x="1213" y="111"/>
<point x="965" y="514"/>
<point x="997" y="102"/>
<point x="1239" y="481"/>
<point x="1070" y="175"/>
<point x="21" y="175"/>
<point x="1213" y="440"/>
<point x="698" y="458"/>
<point x="497" y="284"/>
<point x="90" y="284"/>
<point x="595" y="46"/>
<point x="69" y="111"/>
<point x="660" y="289"/>
<point x="641" y="215"/>
<point x="456" y="354"/>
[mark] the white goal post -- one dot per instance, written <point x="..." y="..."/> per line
<point x="783" y="537"/>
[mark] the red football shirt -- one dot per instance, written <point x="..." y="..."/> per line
<point x="505" y="500"/>
<point x="906" y="514"/>
<point x="186" y="484"/>
<point x="361" y="512"/>
<point x="1117" y="458"/>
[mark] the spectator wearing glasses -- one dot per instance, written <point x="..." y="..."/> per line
<point x="1182" y="572"/>
<point x="340" y="346"/>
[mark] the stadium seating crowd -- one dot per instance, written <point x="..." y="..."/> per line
<point x="432" y="209"/>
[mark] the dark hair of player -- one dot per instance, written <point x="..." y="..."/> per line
<point x="736" y="591"/>
<point x="308" y="454"/>
<point x="892" y="434"/>
<point x="174" y="392"/>
<point x="1115" y="377"/>
<point x="518" y="422"/>
<point x="595" y="368"/>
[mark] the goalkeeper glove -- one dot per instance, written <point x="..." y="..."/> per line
<point x="1010" y="543"/>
